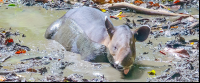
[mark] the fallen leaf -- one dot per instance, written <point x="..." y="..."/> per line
<point x="138" y="2"/>
<point x="156" y="5"/>
<point x="2" y="78"/>
<point x="9" y="40"/>
<point x="1" y="1"/>
<point x="162" y="52"/>
<point x="118" y="14"/>
<point x="11" y="5"/>
<point x="103" y="10"/>
<point x="152" y="72"/>
<point x="161" y="31"/>
<point x="112" y="17"/>
<point x="156" y="59"/>
<point x="23" y="51"/>
<point x="4" y="32"/>
<point x="182" y="51"/>
<point x="150" y="2"/>
<point x="121" y="16"/>
<point x="174" y="27"/>
<point x="192" y="43"/>
<point x="20" y="51"/>
<point x="31" y="70"/>
<point x="177" y="1"/>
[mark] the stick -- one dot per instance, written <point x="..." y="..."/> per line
<point x="143" y="10"/>
<point x="4" y="59"/>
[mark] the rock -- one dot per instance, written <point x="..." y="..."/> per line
<point x="181" y="39"/>
<point x="175" y="75"/>
<point x="190" y="66"/>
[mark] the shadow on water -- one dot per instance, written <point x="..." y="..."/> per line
<point x="100" y="58"/>
<point x="135" y="72"/>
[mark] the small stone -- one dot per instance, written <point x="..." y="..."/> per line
<point x="191" y="67"/>
<point x="85" y="80"/>
<point x="42" y="70"/>
<point x="145" y="52"/>
<point x="23" y="35"/>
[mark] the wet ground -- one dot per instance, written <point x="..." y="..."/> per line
<point x="33" y="22"/>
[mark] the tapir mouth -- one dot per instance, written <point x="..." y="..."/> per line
<point x="126" y="71"/>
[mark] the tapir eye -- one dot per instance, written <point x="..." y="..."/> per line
<point x="115" y="48"/>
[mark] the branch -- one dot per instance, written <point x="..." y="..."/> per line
<point x="143" y="10"/>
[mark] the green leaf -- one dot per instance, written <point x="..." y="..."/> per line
<point x="11" y="5"/>
<point x="152" y="72"/>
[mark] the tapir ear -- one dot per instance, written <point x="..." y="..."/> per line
<point x="142" y="33"/>
<point x="109" y="27"/>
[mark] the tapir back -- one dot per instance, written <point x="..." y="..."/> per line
<point x="91" y="21"/>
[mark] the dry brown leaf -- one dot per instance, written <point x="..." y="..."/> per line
<point x="2" y="78"/>
<point x="31" y="70"/>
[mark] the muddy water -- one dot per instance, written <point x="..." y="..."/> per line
<point x="33" y="21"/>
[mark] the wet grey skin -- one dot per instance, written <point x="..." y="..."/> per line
<point x="89" y="32"/>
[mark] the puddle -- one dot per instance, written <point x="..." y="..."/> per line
<point x="33" y="22"/>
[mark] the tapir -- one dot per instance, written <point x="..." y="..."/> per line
<point x="90" y="32"/>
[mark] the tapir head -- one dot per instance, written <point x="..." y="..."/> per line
<point x="122" y="44"/>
